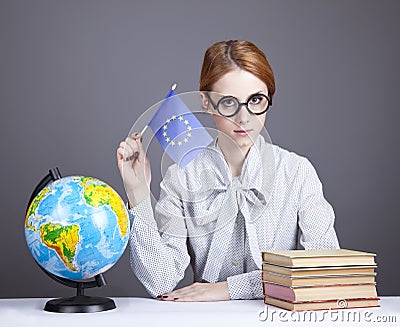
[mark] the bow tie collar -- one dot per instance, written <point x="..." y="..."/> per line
<point x="217" y="196"/>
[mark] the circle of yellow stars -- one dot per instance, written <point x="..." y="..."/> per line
<point x="187" y="135"/>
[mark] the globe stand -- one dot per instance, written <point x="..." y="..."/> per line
<point x="79" y="303"/>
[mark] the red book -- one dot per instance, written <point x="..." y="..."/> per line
<point x="316" y="293"/>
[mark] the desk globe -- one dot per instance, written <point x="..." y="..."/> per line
<point x="76" y="228"/>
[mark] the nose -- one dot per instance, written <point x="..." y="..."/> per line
<point x="243" y="116"/>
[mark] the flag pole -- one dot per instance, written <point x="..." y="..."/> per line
<point x="173" y="87"/>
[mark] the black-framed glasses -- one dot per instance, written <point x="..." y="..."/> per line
<point x="229" y="106"/>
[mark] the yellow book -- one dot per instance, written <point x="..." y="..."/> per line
<point x="319" y="258"/>
<point x="319" y="271"/>
<point x="317" y="280"/>
<point x="323" y="305"/>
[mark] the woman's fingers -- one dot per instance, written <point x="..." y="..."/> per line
<point x="138" y="138"/>
<point x="134" y="147"/>
<point x="124" y="151"/>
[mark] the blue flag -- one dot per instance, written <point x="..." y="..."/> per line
<point x="178" y="131"/>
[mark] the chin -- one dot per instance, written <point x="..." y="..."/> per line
<point x="244" y="143"/>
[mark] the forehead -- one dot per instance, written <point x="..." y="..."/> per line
<point x="239" y="83"/>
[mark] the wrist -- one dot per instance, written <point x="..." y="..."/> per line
<point x="224" y="290"/>
<point x="137" y="195"/>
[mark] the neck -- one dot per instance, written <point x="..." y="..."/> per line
<point x="234" y="154"/>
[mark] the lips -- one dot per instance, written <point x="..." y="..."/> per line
<point x="242" y="131"/>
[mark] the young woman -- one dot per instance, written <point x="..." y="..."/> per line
<point x="239" y="197"/>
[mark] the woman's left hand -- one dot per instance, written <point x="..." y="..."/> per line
<point x="198" y="292"/>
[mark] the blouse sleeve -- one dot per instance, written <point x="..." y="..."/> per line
<point x="315" y="215"/>
<point x="245" y="286"/>
<point x="158" y="251"/>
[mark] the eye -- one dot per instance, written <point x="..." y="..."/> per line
<point x="228" y="102"/>
<point x="256" y="99"/>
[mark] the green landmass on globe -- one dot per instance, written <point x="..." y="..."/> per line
<point x="62" y="239"/>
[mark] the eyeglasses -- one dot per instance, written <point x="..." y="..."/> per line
<point x="229" y="106"/>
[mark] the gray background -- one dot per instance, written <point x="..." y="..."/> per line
<point x="75" y="75"/>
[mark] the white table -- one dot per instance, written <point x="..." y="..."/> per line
<point x="150" y="312"/>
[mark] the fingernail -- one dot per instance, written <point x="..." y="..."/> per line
<point x="159" y="296"/>
<point x="136" y="135"/>
<point x="176" y="298"/>
<point x="136" y="154"/>
<point x="165" y="296"/>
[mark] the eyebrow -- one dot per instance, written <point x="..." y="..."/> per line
<point x="254" y="93"/>
<point x="258" y="92"/>
<point x="230" y="95"/>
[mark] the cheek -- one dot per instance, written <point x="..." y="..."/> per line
<point x="259" y="121"/>
<point x="222" y="123"/>
<point x="228" y="124"/>
<point x="262" y="119"/>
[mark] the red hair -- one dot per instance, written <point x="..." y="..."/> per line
<point x="223" y="57"/>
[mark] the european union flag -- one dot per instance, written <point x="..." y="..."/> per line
<point x="178" y="130"/>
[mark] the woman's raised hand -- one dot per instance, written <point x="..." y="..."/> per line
<point x="134" y="168"/>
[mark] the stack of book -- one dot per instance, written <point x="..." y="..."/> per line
<point x="319" y="279"/>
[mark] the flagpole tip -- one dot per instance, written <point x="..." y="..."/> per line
<point x="143" y="130"/>
<point x="173" y="87"/>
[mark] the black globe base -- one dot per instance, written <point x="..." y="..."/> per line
<point x="80" y="304"/>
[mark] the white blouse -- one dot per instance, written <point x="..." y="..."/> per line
<point x="220" y="224"/>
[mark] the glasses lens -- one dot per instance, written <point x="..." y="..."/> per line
<point x="258" y="103"/>
<point x="227" y="105"/>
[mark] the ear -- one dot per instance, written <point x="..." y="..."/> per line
<point x="205" y="102"/>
